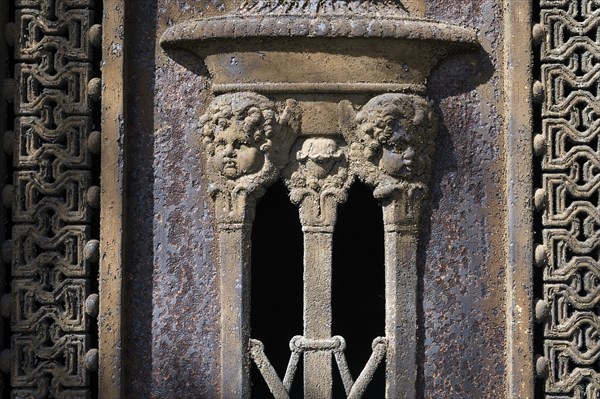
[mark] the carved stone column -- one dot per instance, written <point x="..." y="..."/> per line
<point x="318" y="180"/>
<point x="244" y="137"/>
<point x="392" y="145"/>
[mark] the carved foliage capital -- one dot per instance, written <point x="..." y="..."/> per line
<point x="318" y="179"/>
<point x="246" y="139"/>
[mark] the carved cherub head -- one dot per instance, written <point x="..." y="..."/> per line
<point x="396" y="133"/>
<point x="237" y="130"/>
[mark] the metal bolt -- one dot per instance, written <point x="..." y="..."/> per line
<point x="91" y="360"/>
<point x="91" y="251"/>
<point x="92" y="304"/>
<point x="5" y="360"/>
<point x="7" y="195"/>
<point x="541" y="367"/>
<point x="539" y="199"/>
<point x="95" y="35"/>
<point x="93" y="197"/>
<point x="541" y="311"/>
<point x="541" y="257"/>
<point x="538" y="32"/>
<point x="538" y="91"/>
<point x="10" y="90"/>
<point x="8" y="142"/>
<point x="94" y="142"/>
<point x="7" y="250"/>
<point x="539" y="144"/>
<point x="95" y="89"/>
<point x="10" y="34"/>
<point x="7" y="303"/>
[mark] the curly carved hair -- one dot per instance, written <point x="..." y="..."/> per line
<point x="387" y="113"/>
<point x="255" y="112"/>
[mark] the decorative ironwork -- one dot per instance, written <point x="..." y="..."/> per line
<point x="53" y="200"/>
<point x="567" y="199"/>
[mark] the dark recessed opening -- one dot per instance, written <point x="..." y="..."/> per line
<point x="276" y="287"/>
<point x="359" y="285"/>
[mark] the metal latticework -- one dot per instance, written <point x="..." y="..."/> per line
<point x="52" y="303"/>
<point x="567" y="198"/>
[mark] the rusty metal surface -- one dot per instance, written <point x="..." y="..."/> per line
<point x="172" y="308"/>
<point x="463" y="252"/>
<point x="172" y="312"/>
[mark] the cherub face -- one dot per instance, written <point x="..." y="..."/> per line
<point x="236" y="154"/>
<point x="399" y="156"/>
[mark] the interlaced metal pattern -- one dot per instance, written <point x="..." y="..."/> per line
<point x="569" y="52"/>
<point x="53" y="253"/>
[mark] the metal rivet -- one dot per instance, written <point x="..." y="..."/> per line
<point x="538" y="32"/>
<point x="5" y="360"/>
<point x="10" y="90"/>
<point x="8" y="142"/>
<point x="539" y="144"/>
<point x="92" y="304"/>
<point x="539" y="199"/>
<point x="91" y="251"/>
<point x="95" y="89"/>
<point x="541" y="311"/>
<point x="538" y="91"/>
<point x="93" y="197"/>
<point x="541" y="367"/>
<point x="95" y="35"/>
<point x="91" y="360"/>
<point x="6" y="305"/>
<point x="10" y="34"/>
<point x="541" y="256"/>
<point x="7" y="195"/>
<point x="94" y="142"/>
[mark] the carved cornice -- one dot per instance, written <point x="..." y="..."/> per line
<point x="236" y="26"/>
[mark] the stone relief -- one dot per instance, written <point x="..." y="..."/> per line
<point x="246" y="141"/>
<point x="393" y="139"/>
<point x="319" y="180"/>
<point x="362" y="117"/>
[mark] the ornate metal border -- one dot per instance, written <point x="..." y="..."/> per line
<point x="55" y="196"/>
<point x="566" y="198"/>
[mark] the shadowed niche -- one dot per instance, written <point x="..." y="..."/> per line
<point x="358" y="284"/>
<point x="276" y="287"/>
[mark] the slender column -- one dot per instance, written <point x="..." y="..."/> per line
<point x="317" y="310"/>
<point x="234" y="259"/>
<point x="318" y="182"/>
<point x="392" y="150"/>
<point x="401" y="305"/>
